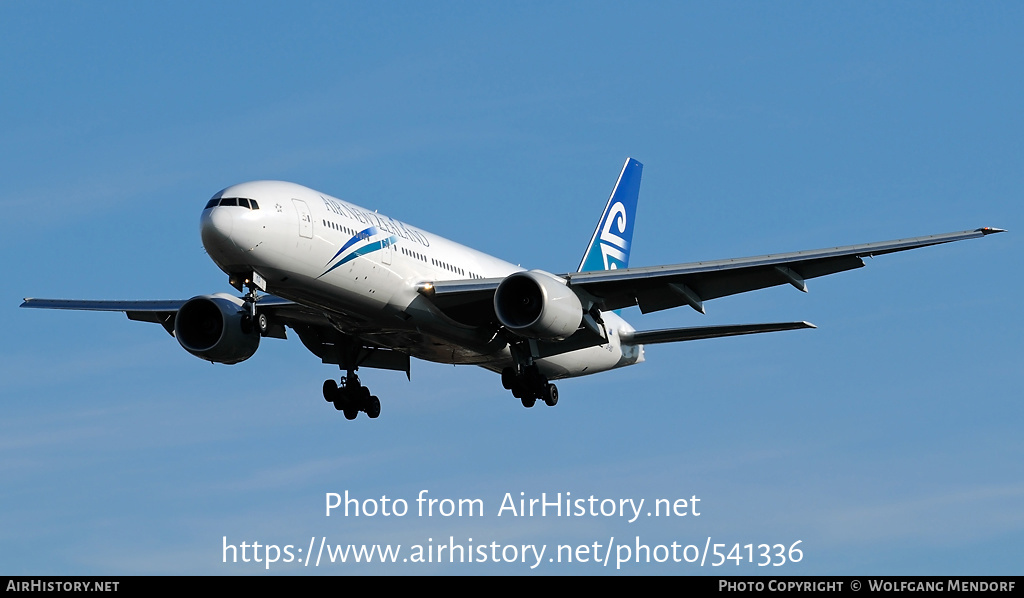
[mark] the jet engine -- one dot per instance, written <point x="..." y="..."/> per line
<point x="539" y="305"/>
<point x="216" y="328"/>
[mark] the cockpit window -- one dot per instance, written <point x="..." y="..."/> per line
<point x="232" y="201"/>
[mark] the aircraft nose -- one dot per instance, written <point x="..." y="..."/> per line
<point x="215" y="228"/>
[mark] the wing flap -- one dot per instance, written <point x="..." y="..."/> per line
<point x="722" y="283"/>
<point x="164" y="318"/>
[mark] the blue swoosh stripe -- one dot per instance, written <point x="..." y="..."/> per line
<point x="360" y="236"/>
<point x="368" y="249"/>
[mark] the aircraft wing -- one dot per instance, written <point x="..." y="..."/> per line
<point x="279" y="311"/>
<point x="159" y="311"/>
<point x="317" y="329"/>
<point x="662" y="287"/>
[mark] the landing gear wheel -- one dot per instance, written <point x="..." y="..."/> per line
<point x="350" y="412"/>
<point x="550" y="395"/>
<point x="372" y="408"/>
<point x="261" y="323"/>
<point x="330" y="391"/>
<point x="528" y="401"/>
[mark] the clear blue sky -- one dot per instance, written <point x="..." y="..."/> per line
<point x="888" y="441"/>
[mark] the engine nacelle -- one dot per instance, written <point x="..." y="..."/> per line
<point x="536" y="304"/>
<point x="216" y="328"/>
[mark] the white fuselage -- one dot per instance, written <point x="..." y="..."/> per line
<point x="365" y="269"/>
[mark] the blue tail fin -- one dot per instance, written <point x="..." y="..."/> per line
<point x="609" y="247"/>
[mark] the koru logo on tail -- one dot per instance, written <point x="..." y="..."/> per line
<point x="613" y="246"/>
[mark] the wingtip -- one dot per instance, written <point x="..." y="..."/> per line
<point x="989" y="230"/>
<point x="808" y="324"/>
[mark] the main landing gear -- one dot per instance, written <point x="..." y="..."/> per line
<point x="350" y="397"/>
<point x="529" y="385"/>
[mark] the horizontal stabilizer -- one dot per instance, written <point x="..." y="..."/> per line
<point x="672" y="335"/>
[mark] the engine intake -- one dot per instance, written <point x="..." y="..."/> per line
<point x="216" y="328"/>
<point x="536" y="304"/>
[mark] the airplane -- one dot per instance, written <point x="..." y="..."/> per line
<point x="363" y="290"/>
